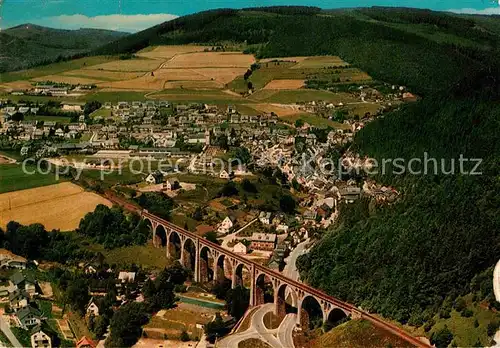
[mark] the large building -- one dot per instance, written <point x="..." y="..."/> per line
<point x="263" y="241"/>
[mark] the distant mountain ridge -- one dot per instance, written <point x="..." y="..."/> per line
<point x="28" y="45"/>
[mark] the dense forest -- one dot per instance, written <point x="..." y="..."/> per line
<point x="28" y="45"/>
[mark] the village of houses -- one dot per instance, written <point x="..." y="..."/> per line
<point x="200" y="135"/>
<point x="20" y="297"/>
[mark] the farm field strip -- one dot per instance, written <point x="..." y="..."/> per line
<point x="63" y="210"/>
<point x="67" y="79"/>
<point x="103" y="74"/>
<point x="285" y="84"/>
<point x="211" y="60"/>
<point x="169" y="51"/>
<point x="130" y="65"/>
<point x="37" y="195"/>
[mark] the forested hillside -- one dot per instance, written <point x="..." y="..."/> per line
<point x="29" y="45"/>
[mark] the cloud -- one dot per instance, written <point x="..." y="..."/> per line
<point x="486" y="11"/>
<point x="129" y="23"/>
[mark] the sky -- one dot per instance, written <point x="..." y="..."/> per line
<point x="136" y="15"/>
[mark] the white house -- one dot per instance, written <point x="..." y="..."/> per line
<point x="11" y="260"/>
<point x="154" y="178"/>
<point x="92" y="308"/>
<point x="171" y="184"/>
<point x="265" y="217"/>
<point x="40" y="339"/>
<point x="240" y="248"/>
<point x="225" y="226"/>
<point x="126" y="277"/>
<point x="18" y="299"/>
<point x="28" y="317"/>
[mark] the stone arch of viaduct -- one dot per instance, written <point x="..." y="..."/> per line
<point x="212" y="257"/>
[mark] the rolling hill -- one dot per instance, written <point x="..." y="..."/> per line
<point x="28" y="45"/>
<point x="402" y="46"/>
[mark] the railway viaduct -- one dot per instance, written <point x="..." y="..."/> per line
<point x="209" y="262"/>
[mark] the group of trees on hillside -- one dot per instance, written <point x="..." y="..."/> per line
<point x="112" y="228"/>
<point x="35" y="242"/>
<point x="156" y="203"/>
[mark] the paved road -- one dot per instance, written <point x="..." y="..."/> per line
<point x="266" y="335"/>
<point x="257" y="330"/>
<point x="285" y="330"/>
<point x="6" y="330"/>
<point x="290" y="269"/>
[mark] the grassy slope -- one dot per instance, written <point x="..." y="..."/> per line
<point x="54" y="68"/>
<point x="358" y="334"/>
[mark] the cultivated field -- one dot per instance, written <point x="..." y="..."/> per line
<point x="59" y="206"/>
<point x="278" y="109"/>
<point x="146" y="82"/>
<point x="129" y="65"/>
<point x="9" y="86"/>
<point x="55" y="68"/>
<point x="165" y="52"/>
<point x="104" y="74"/>
<point x="285" y="84"/>
<point x="73" y="80"/>
<point x="222" y="75"/>
<point x="181" y="74"/>
<point x="211" y="60"/>
<point x="313" y="120"/>
<point x="195" y="85"/>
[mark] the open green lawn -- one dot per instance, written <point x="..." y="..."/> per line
<point x="4" y="340"/>
<point x="359" y="334"/>
<point x="102" y="112"/>
<point x="115" y="177"/>
<point x="12" y="178"/>
<point x="54" y="68"/>
<point x="113" y="97"/>
<point x="58" y="119"/>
